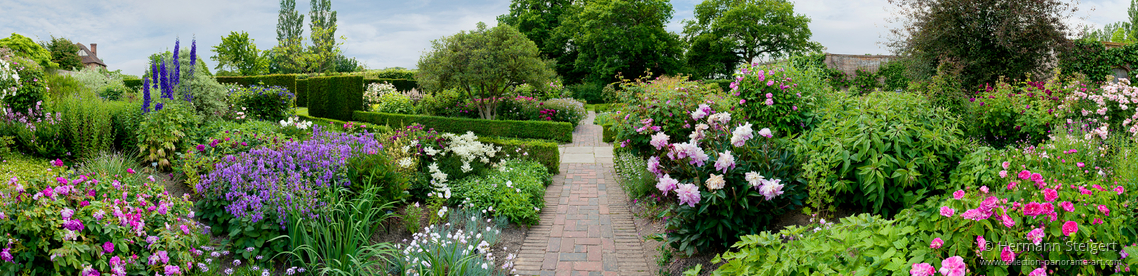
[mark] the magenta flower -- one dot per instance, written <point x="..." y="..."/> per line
<point x="1080" y="164"/>
<point x="654" y="165"/>
<point x="1038" y="272"/>
<point x="1050" y="194"/>
<point x="1104" y="210"/>
<point x="1003" y="174"/>
<point x="688" y="193"/>
<point x="1012" y="185"/>
<point x="130" y="170"/>
<point x="1024" y="175"/>
<point x="1032" y="209"/>
<point x="959" y="194"/>
<point x="1070" y="227"/>
<point x="1007" y="255"/>
<point x="946" y="211"/>
<point x="666" y="184"/>
<point x="922" y="269"/>
<point x="66" y="213"/>
<point x="1005" y="164"/>
<point x="1035" y="177"/>
<point x="1007" y="220"/>
<point x="173" y="270"/>
<point x="724" y="162"/>
<point x="1068" y="206"/>
<point x="6" y="255"/>
<point x="981" y="243"/>
<point x="953" y="266"/>
<point x="1036" y="235"/>
<point x="937" y="243"/>
<point x="57" y="163"/>
<point x="974" y="214"/>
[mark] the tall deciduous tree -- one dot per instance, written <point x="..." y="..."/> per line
<point x="986" y="39"/>
<point x="288" y="55"/>
<point x="322" y="22"/>
<point x="538" y="20"/>
<point x="751" y="29"/>
<point x="238" y="53"/>
<point x="483" y="64"/>
<point x="63" y="52"/>
<point x="624" y="37"/>
<point x="24" y="47"/>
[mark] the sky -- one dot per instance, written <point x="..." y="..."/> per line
<point x="386" y="33"/>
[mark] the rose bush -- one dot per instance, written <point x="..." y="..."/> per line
<point x="1010" y="113"/>
<point x="771" y="95"/>
<point x="662" y="105"/>
<point x="1100" y="111"/>
<point x="82" y="223"/>
<point x="729" y="179"/>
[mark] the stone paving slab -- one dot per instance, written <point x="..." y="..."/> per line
<point x="586" y="227"/>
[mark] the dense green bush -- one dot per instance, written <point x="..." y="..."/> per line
<point x="544" y="152"/>
<point x="376" y="174"/>
<point x="896" y="75"/>
<point x="1014" y="113"/>
<point x="61" y="85"/>
<point x="301" y="93"/>
<point x="86" y="123"/>
<point x="781" y="96"/>
<point x="95" y="79"/>
<point x="589" y="92"/>
<point x="880" y="152"/>
<point x="272" y="103"/>
<point x="113" y="92"/>
<point x="558" y="131"/>
<point x="162" y="133"/>
<point x="33" y="87"/>
<point x="865" y="81"/>
<point x="335" y="97"/>
<point x="445" y="103"/>
<point x="394" y="103"/>
<point x="563" y="110"/>
<point x="133" y="84"/>
<point x="663" y="105"/>
<point x="515" y="190"/>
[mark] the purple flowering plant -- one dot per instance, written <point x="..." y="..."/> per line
<point x="729" y="179"/>
<point x="93" y="223"/>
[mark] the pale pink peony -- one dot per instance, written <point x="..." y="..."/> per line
<point x="953" y="266"/>
<point x="1003" y="174"/>
<point x="660" y="140"/>
<point x="666" y="184"/>
<point x="741" y="135"/>
<point x="771" y="188"/>
<point x="984" y="189"/>
<point x="1005" y="164"/>
<point x="922" y="269"/>
<point x="724" y="162"/>
<point x="688" y="194"/>
<point x="754" y="178"/>
<point x="946" y="211"/>
<point x="765" y="132"/>
<point x="654" y="165"/>
<point x="715" y="182"/>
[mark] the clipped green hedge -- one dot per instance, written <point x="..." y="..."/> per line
<point x="335" y="97"/>
<point x="135" y="84"/>
<point x="557" y="131"/>
<point x="338" y="125"/>
<point x="286" y="81"/>
<point x="400" y="84"/>
<point x="301" y="93"/>
<point x="543" y="152"/>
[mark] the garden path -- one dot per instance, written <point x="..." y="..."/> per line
<point x="586" y="227"/>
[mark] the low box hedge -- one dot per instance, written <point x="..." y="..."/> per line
<point x="400" y="84"/>
<point x="557" y="131"/>
<point x="543" y="152"/>
<point x="335" y="97"/>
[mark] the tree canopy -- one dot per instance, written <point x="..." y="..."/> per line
<point x="749" y="29"/>
<point x="538" y="20"/>
<point x="63" y="52"/>
<point x="23" y="46"/>
<point x="483" y="64"/>
<point x="238" y="53"/>
<point x="624" y="37"/>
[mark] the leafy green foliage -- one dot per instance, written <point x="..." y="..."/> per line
<point x="774" y="98"/>
<point x="86" y="123"/>
<point x="634" y="176"/>
<point x="161" y="133"/>
<point x="895" y="75"/>
<point x="751" y="29"/>
<point x="238" y="53"/>
<point x="264" y="103"/>
<point x="96" y="78"/>
<point x="411" y="217"/>
<point x="322" y="54"/>
<point x="1015" y="112"/>
<point x="394" y="102"/>
<point x="662" y="105"/>
<point x="538" y="20"/>
<point x="865" y="81"/>
<point x="33" y="86"/>
<point x="23" y="46"/>
<point x="1094" y="61"/>
<point x="515" y="190"/>
<point x="483" y="64"/>
<point x="63" y="52"/>
<point x="338" y="240"/>
<point x="988" y="39"/>
<point x="881" y="152"/>
<point x="589" y="92"/>
<point x="377" y="175"/>
<point x="620" y="37"/>
<point x="262" y="236"/>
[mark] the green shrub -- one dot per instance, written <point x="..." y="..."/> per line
<point x="376" y="175"/>
<point x="896" y="75"/>
<point x="62" y="85"/>
<point x="662" y="105"/>
<point x="264" y="103"/>
<point x="519" y="108"/>
<point x="447" y="103"/>
<point x="287" y="81"/>
<point x="392" y="73"/>
<point x="162" y="133"/>
<point x="634" y="176"/>
<point x="564" y="110"/>
<point x="515" y="190"/>
<point x="944" y="90"/>
<point x="301" y="93"/>
<point x="544" y="152"/>
<point x="592" y="93"/>
<point x="865" y="81"/>
<point x="33" y="87"/>
<point x="880" y="152"/>
<point x="395" y="103"/>
<point x="86" y="123"/>
<point x="95" y="79"/>
<point x="412" y="214"/>
<point x="558" y="131"/>
<point x="335" y="97"/>
<point x="779" y="96"/>
<point x="1014" y="113"/>
<point x="133" y="84"/>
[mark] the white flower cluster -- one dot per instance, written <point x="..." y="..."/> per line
<point x="460" y="239"/>
<point x="9" y="80"/>
<point x="468" y="148"/>
<point x="376" y="90"/>
<point x="296" y="122"/>
<point x="439" y="181"/>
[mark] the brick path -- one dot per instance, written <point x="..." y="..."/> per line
<point x="586" y="227"/>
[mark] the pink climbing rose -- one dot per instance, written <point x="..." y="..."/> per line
<point x="937" y="243"/>
<point x="959" y="194"/>
<point x="1038" y="272"/>
<point x="981" y="243"/>
<point x="922" y="269"/>
<point x="1070" y="227"/>
<point x="946" y="211"/>
<point x="1035" y="236"/>
<point x="1068" y="206"/>
<point x="1007" y="255"/>
<point x="953" y="266"/>
<point x="1050" y="194"/>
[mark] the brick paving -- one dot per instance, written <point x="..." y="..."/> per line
<point x="586" y="227"/>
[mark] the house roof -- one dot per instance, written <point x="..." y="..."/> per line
<point x="86" y="56"/>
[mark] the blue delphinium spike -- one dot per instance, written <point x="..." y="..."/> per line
<point x="154" y="74"/>
<point x="177" y="77"/>
<point x="158" y="106"/>
<point x="193" y="53"/>
<point x="164" y="79"/>
<point x="145" y="95"/>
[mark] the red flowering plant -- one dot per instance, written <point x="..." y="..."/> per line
<point x="69" y="223"/>
<point x="728" y="178"/>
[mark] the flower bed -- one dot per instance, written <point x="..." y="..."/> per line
<point x="515" y="190"/>
<point x="557" y="131"/>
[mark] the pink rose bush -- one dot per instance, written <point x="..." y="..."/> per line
<point x="772" y="96"/>
<point x="96" y="224"/>
<point x="727" y="180"/>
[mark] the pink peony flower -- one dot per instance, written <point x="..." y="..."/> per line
<point x="771" y="188"/>
<point x="654" y="165"/>
<point x="724" y="162"/>
<point x="688" y="193"/>
<point x="666" y="184"/>
<point x="765" y="132"/>
<point x="715" y="182"/>
<point x="959" y="194"/>
<point x="754" y="178"/>
<point x="1007" y="255"/>
<point x="741" y="134"/>
<point x="1080" y="164"/>
<point x="922" y="269"/>
<point x="953" y="266"/>
<point x="946" y="211"/>
<point x="1005" y="164"/>
<point x="937" y="243"/>
<point x="1104" y="210"/>
<point x="1003" y="174"/>
<point x="1036" y="235"/>
<point x="1070" y="227"/>
<point x="981" y="243"/>
<point x="1038" y="272"/>
<point x="660" y="140"/>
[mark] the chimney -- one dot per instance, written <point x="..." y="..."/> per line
<point x="95" y="49"/>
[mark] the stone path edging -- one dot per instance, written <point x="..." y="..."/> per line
<point x="586" y="227"/>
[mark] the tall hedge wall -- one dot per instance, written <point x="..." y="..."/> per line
<point x="1093" y="59"/>
<point x="286" y="81"/>
<point x="557" y="131"/>
<point x="135" y="84"/>
<point x="335" y="97"/>
<point x="400" y="84"/>
<point x="301" y="92"/>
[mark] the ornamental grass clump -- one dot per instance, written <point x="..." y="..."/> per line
<point x="729" y="180"/>
<point x="95" y="223"/>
